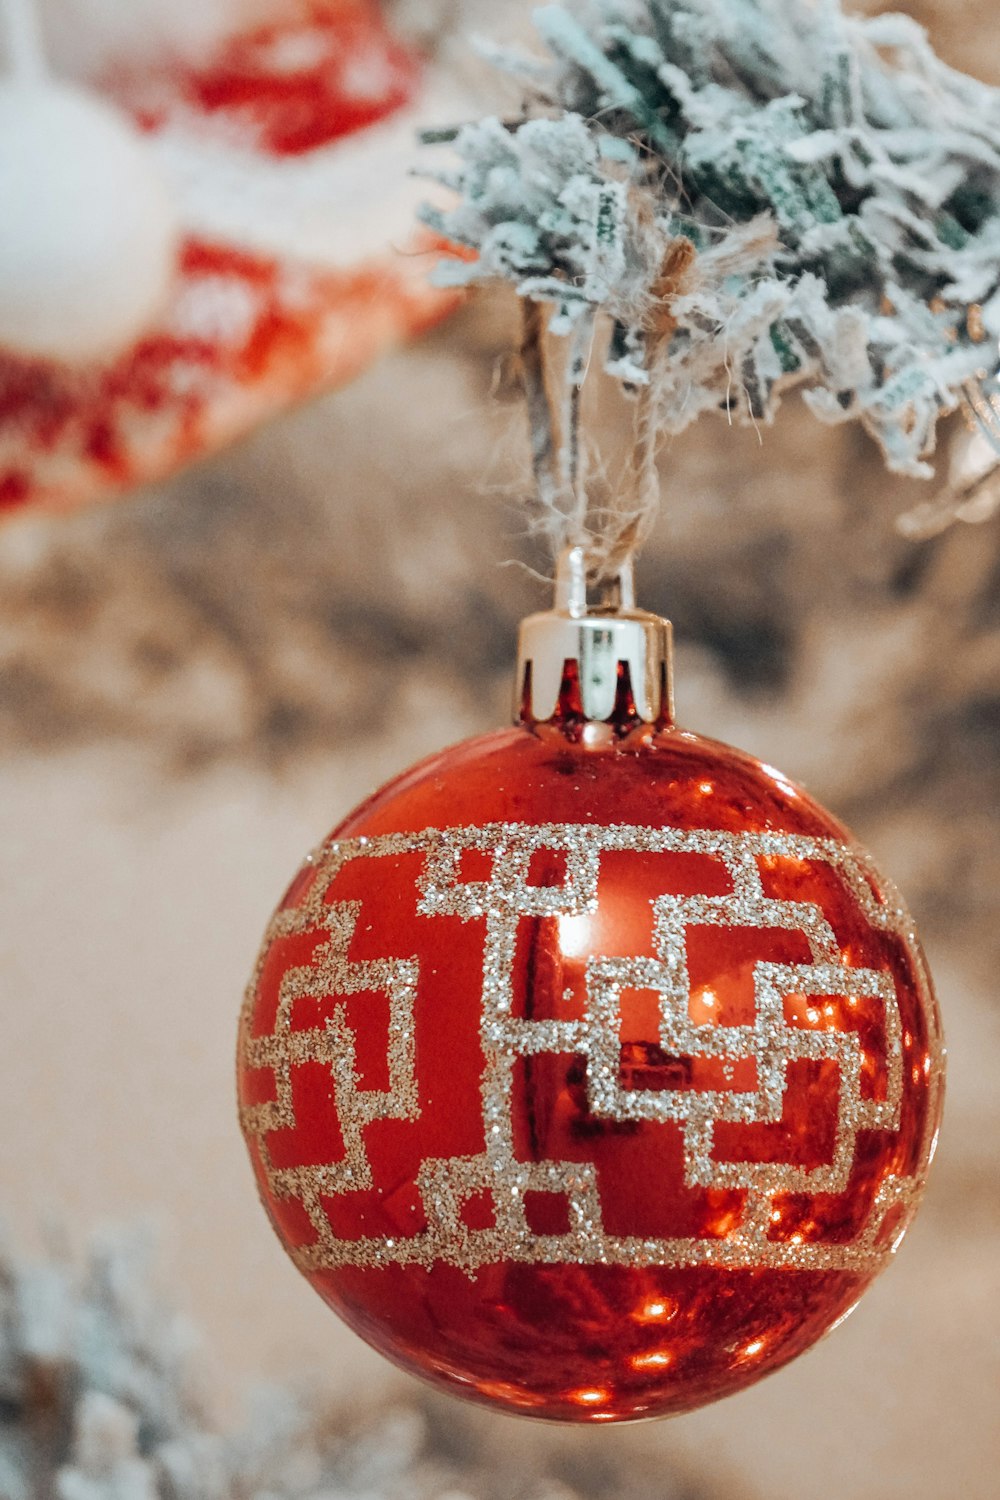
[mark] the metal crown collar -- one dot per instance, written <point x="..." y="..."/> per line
<point x="605" y="646"/>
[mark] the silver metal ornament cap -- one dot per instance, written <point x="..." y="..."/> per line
<point x="601" y="662"/>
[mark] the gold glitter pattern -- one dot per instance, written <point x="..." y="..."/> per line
<point x="501" y="901"/>
<point x="333" y="1045"/>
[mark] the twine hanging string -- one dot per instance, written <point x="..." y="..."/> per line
<point x="613" y="533"/>
<point x="554" y="399"/>
<point x="635" y="509"/>
<point x="541" y="423"/>
<point x="573" y="452"/>
<point x="21" y="40"/>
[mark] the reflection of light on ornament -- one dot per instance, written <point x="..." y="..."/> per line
<point x="590" y="1396"/>
<point x="907" y="1038"/>
<point x="812" y="1014"/>
<point x="499" y="1389"/>
<point x="927" y="1065"/>
<point x="724" y="1223"/>
<point x="706" y="788"/>
<point x="574" y="935"/>
<point x="703" y="1000"/>
<point x="658" y="1360"/>
<point x="751" y="1350"/>
<point x="795" y="1239"/>
<point x="594" y="735"/>
<point x="776" y="1216"/>
<point x="843" y="1317"/>
<point x="656" y="1310"/>
<point x="782" y="781"/>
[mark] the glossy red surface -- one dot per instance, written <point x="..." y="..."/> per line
<point x="571" y="1340"/>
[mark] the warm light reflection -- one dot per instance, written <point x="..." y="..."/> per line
<point x="590" y="1396"/>
<point x="753" y="1348"/>
<point x="703" y="1001"/>
<point x="723" y="1224"/>
<point x="781" y="781"/>
<point x="843" y="1317"/>
<point x="658" y="1360"/>
<point x="502" y="1390"/>
<point x="706" y="788"/>
<point x="575" y="934"/>
<point x="656" y="1310"/>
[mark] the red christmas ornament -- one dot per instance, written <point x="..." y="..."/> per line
<point x="589" y="1069"/>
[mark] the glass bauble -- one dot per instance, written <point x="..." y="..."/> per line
<point x="590" y="1069"/>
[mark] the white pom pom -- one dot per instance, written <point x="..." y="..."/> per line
<point x="88" y="236"/>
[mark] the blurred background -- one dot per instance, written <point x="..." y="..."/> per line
<point x="202" y="677"/>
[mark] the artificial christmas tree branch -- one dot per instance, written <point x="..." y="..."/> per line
<point x="835" y="188"/>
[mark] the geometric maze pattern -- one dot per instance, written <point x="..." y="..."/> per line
<point x="499" y="902"/>
<point x="334" y="1046"/>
